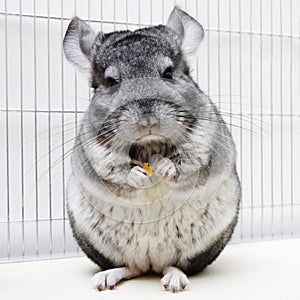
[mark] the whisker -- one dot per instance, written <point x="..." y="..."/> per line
<point x="107" y="140"/>
<point x="236" y="103"/>
<point x="64" y="157"/>
<point x="220" y="122"/>
<point x="51" y="151"/>
<point x="237" y="116"/>
<point x="202" y="129"/>
<point x="53" y="128"/>
<point x="48" y="153"/>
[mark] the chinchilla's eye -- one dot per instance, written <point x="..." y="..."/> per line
<point x="111" y="76"/>
<point x="111" y="81"/>
<point x="168" y="73"/>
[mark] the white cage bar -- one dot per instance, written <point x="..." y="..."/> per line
<point x="248" y="63"/>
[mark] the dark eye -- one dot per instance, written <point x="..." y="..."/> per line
<point x="111" y="81"/>
<point x="168" y="73"/>
<point x="111" y="76"/>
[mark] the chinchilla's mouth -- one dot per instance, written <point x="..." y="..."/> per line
<point x="152" y="137"/>
<point x="149" y="150"/>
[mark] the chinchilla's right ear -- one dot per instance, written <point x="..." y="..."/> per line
<point x="188" y="30"/>
<point x="77" y="44"/>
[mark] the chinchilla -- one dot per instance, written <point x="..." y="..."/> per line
<point x="154" y="186"/>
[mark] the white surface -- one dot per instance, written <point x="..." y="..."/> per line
<point x="264" y="270"/>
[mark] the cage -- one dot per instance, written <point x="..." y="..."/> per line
<point x="248" y="64"/>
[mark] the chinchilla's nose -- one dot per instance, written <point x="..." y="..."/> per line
<point x="148" y="122"/>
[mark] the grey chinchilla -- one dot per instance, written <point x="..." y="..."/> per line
<point x="148" y="115"/>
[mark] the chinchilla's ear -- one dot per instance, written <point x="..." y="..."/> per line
<point x="189" y="31"/>
<point x="77" y="44"/>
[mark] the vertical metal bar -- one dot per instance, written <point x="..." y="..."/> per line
<point x="89" y="22"/>
<point x="139" y="13"/>
<point x="75" y="82"/>
<point x="261" y="121"/>
<point x="151" y="12"/>
<point x="115" y="15"/>
<point x="35" y="138"/>
<point x="197" y="60"/>
<point x="22" y="128"/>
<point x="272" y="124"/>
<point x="291" y="118"/>
<point x="126" y="14"/>
<point x="230" y="67"/>
<point x="251" y="120"/>
<point x="89" y="10"/>
<point x="281" y="119"/>
<point x="76" y="96"/>
<point x="241" y="107"/>
<point x="101" y="16"/>
<point x="219" y="57"/>
<point x="163" y="11"/>
<point x="7" y="138"/>
<point x="63" y="128"/>
<point x="49" y="130"/>
<point x="208" y="50"/>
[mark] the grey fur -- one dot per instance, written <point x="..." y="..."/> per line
<point x="119" y="216"/>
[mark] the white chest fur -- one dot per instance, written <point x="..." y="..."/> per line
<point x="188" y="230"/>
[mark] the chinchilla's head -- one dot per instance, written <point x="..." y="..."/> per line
<point x="143" y="92"/>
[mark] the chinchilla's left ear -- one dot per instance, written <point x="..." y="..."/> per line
<point x="189" y="31"/>
<point x="78" y="42"/>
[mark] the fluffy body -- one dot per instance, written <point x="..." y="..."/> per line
<point x="120" y="217"/>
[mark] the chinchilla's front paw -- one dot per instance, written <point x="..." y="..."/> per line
<point x="138" y="178"/>
<point x="174" y="280"/>
<point x="165" y="168"/>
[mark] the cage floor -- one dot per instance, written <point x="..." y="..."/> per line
<point x="264" y="270"/>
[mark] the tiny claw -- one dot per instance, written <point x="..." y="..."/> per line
<point x="166" y="286"/>
<point x="100" y="287"/>
<point x="111" y="286"/>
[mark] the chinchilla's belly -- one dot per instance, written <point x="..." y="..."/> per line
<point x="170" y="240"/>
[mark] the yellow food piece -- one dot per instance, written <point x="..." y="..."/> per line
<point x="148" y="169"/>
